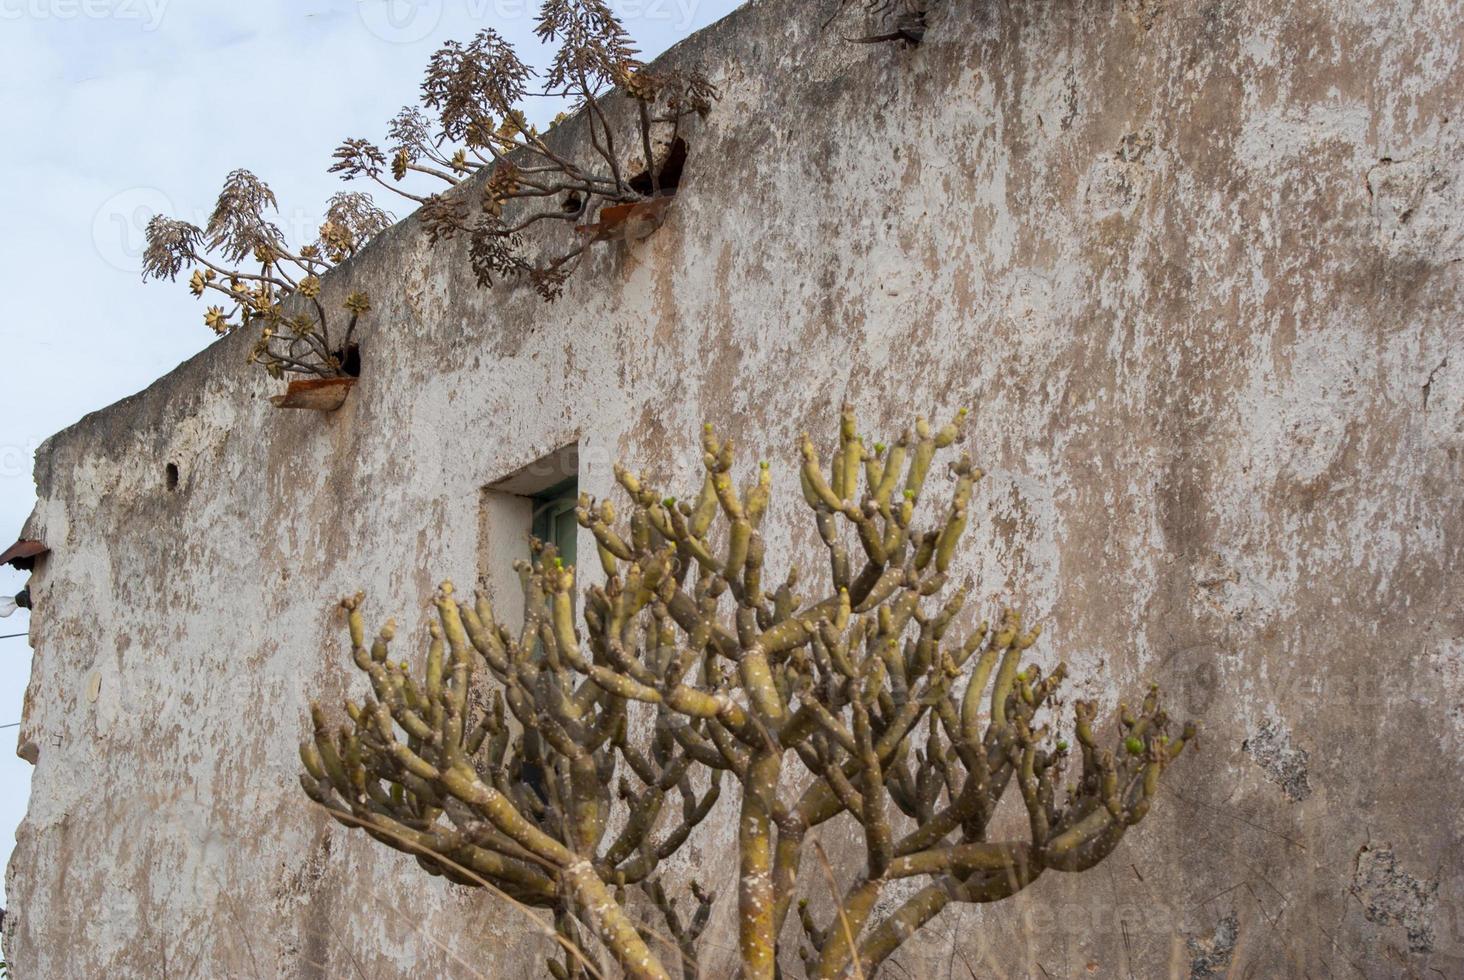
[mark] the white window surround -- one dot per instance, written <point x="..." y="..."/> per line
<point x="505" y="517"/>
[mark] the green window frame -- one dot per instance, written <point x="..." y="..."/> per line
<point x="553" y="519"/>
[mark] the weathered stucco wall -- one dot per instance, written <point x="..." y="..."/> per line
<point x="1196" y="264"/>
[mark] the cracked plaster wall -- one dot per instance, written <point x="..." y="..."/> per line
<point x="1195" y="264"/>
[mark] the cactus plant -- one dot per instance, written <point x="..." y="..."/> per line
<point x="863" y="703"/>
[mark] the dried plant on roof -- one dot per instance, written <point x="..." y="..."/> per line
<point x="243" y="256"/>
<point x="861" y="700"/>
<point x="473" y="116"/>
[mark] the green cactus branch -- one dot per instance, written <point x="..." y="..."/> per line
<point x="596" y="745"/>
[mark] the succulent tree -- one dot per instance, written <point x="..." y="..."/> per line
<point x="852" y="696"/>
<point x="244" y="257"/>
<point x="473" y="116"/>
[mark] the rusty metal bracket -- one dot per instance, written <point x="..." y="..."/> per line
<point x="628" y="222"/>
<point x="316" y="394"/>
<point x="23" y="554"/>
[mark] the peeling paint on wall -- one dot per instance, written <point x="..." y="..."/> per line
<point x="1211" y="955"/>
<point x="1391" y="896"/>
<point x="1285" y="765"/>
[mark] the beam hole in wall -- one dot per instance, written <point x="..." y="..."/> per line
<point x="669" y="175"/>
<point x="350" y="359"/>
<point x="170" y="476"/>
<point x="538" y="500"/>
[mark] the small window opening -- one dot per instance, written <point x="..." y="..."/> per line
<point x="350" y="359"/>
<point x="536" y="501"/>
<point x="669" y="175"/>
<point x="170" y="476"/>
<point x="554" y="521"/>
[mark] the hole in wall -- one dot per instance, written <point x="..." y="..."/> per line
<point x="669" y="175"/>
<point x="350" y="360"/>
<point x="170" y="476"/>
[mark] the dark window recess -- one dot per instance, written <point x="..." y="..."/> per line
<point x="350" y="359"/>
<point x="170" y="476"/>
<point x="554" y="522"/>
<point x="669" y="175"/>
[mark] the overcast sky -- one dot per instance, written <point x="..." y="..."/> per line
<point x="117" y="109"/>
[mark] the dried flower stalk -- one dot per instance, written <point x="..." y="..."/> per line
<point x="242" y="255"/>
<point x="473" y="116"/>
